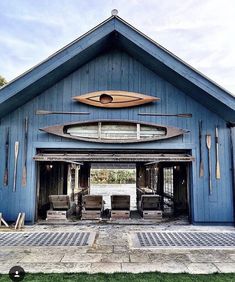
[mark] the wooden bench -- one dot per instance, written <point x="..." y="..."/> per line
<point x="120" y="206"/>
<point x="92" y="207"/>
<point x="150" y="207"/>
<point x="59" y="202"/>
<point x="59" y="205"/>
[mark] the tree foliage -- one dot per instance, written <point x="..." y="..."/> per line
<point x="113" y="176"/>
<point x="2" y="81"/>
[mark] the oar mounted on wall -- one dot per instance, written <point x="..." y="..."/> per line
<point x="187" y="115"/>
<point x="44" y="112"/>
<point x="208" y="144"/>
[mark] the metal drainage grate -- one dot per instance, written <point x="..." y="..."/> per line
<point x="183" y="239"/>
<point x="47" y="239"/>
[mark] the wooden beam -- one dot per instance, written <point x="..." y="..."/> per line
<point x="3" y="221"/>
<point x="21" y="222"/>
<point x="130" y="157"/>
<point x="17" y="221"/>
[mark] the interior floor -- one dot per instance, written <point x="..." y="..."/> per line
<point x="135" y="219"/>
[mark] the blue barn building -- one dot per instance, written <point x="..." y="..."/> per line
<point x="115" y="56"/>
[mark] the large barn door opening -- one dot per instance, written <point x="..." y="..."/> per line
<point x="150" y="186"/>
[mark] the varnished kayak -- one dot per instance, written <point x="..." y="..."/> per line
<point x="115" y="99"/>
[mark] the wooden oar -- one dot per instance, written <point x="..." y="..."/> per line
<point x="15" y="165"/>
<point x="42" y="112"/>
<point x="21" y="221"/>
<point x="3" y="221"/>
<point x="5" y="181"/>
<point x="208" y="144"/>
<point x="201" y="169"/>
<point x="17" y="221"/>
<point x="24" y="174"/>
<point x="166" y="115"/>
<point x="217" y="170"/>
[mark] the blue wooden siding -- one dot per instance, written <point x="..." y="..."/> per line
<point x="119" y="71"/>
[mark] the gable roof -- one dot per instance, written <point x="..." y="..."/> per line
<point x="116" y="31"/>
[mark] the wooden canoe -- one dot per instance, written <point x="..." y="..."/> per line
<point x="114" y="131"/>
<point x="115" y="99"/>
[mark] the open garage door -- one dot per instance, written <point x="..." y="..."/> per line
<point x="160" y="176"/>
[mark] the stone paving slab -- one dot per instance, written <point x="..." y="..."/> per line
<point x="103" y="249"/>
<point x="6" y="266"/>
<point x="121" y="249"/>
<point x="42" y="258"/>
<point x="232" y="256"/>
<point x="215" y="256"/>
<point x="10" y="257"/>
<point x="49" y="267"/>
<point x="138" y="267"/>
<point x="226" y="267"/>
<point x="112" y="252"/>
<point x="124" y="257"/>
<point x="57" y="267"/>
<point x="170" y="267"/>
<point x="173" y="267"/>
<point x="164" y="258"/>
<point x="106" y="267"/>
<point x="202" y="268"/>
<point x="143" y="258"/>
<point x="76" y="257"/>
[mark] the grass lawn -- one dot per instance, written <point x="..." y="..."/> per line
<point x="125" y="277"/>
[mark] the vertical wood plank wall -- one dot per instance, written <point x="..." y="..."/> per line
<point x="118" y="71"/>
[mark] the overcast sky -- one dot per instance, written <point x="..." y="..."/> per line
<point x="201" y="32"/>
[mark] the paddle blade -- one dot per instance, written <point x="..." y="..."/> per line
<point x="217" y="170"/>
<point x="185" y="115"/>
<point x="201" y="172"/>
<point x="208" y="141"/>
<point x="41" y="112"/>
<point x="24" y="176"/>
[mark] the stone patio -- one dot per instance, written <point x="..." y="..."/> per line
<point x="112" y="252"/>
